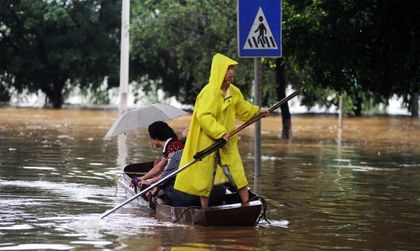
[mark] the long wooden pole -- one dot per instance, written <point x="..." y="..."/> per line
<point x="200" y="155"/>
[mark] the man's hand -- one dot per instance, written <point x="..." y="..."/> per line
<point x="265" y="113"/>
<point x="226" y="136"/>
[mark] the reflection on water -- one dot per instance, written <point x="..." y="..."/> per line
<point x="355" y="189"/>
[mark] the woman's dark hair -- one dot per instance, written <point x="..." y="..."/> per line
<point x="161" y="131"/>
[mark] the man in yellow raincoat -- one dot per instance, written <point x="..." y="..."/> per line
<point x="217" y="106"/>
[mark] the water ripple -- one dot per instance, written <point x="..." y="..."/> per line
<point x="38" y="246"/>
<point x="71" y="191"/>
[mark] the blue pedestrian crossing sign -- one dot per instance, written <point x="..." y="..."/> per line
<point x="259" y="28"/>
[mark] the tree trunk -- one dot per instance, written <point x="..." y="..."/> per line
<point x="57" y="100"/>
<point x="281" y="93"/>
<point x="415" y="105"/>
<point x="54" y="93"/>
<point x="358" y="106"/>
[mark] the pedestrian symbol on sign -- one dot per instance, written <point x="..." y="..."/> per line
<point x="260" y="36"/>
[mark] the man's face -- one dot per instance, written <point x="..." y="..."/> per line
<point x="229" y="73"/>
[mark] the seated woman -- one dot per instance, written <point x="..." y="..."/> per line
<point x="162" y="136"/>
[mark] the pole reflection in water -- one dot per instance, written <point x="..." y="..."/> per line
<point x="356" y="188"/>
<point x="122" y="151"/>
<point x="339" y="138"/>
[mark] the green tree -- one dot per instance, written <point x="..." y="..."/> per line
<point x="367" y="49"/>
<point x="53" y="46"/>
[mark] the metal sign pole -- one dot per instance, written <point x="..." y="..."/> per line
<point x="257" y="101"/>
<point x="124" y="63"/>
<point x="124" y="57"/>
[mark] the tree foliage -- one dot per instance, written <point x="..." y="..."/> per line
<point x="55" y="45"/>
<point x="174" y="41"/>
<point x="363" y="48"/>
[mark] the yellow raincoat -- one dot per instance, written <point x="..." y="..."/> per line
<point x="214" y="115"/>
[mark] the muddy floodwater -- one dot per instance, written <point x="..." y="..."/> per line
<point x="357" y="188"/>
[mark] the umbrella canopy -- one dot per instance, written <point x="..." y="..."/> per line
<point x="143" y="117"/>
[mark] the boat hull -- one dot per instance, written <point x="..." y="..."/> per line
<point x="232" y="213"/>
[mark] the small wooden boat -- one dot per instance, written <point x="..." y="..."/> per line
<point x="231" y="213"/>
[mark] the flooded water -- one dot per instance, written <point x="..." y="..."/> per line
<point x="357" y="188"/>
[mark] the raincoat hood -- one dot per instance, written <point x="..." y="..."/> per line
<point x="219" y="66"/>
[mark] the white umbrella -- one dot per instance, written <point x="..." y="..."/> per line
<point x="143" y="117"/>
